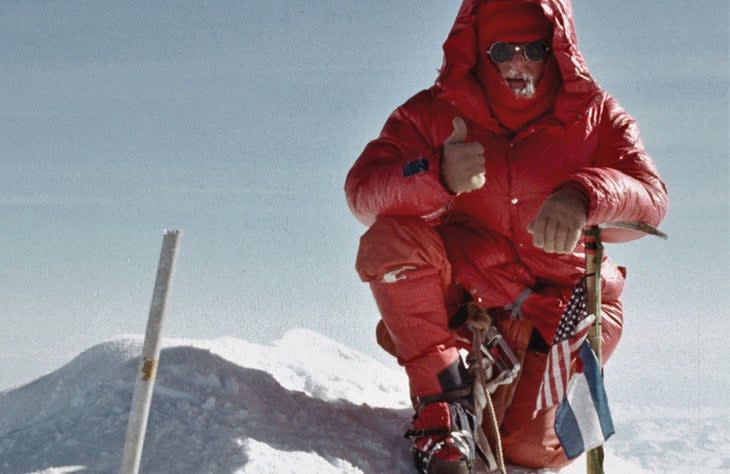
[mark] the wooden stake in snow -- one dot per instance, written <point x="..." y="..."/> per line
<point x="150" y="354"/>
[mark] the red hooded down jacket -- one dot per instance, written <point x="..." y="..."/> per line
<point x="587" y="141"/>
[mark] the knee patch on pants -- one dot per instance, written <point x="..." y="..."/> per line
<point x="394" y="243"/>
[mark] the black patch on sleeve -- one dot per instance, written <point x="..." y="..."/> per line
<point x="415" y="167"/>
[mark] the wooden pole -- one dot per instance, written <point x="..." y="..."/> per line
<point x="594" y="255"/>
<point x="142" y="396"/>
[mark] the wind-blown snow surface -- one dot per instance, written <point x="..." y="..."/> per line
<point x="306" y="404"/>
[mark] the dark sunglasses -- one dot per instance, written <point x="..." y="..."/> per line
<point x="502" y="52"/>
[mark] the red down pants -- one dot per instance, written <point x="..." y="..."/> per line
<point x="405" y="262"/>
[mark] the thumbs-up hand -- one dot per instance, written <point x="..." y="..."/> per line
<point x="462" y="164"/>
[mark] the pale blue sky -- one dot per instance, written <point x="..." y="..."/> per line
<point x="237" y="121"/>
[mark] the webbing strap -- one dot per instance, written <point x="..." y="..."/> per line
<point x="515" y="309"/>
<point x="455" y="395"/>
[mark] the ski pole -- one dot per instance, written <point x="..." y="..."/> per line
<point x="594" y="255"/>
<point x="142" y="395"/>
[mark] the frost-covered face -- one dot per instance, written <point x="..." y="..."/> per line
<point x="521" y="75"/>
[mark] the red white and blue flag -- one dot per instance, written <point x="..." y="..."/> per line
<point x="583" y="420"/>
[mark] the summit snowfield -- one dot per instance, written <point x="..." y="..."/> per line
<point x="305" y="404"/>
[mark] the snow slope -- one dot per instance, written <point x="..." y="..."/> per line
<point x="305" y="404"/>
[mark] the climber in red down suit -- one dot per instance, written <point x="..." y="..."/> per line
<point x="478" y="189"/>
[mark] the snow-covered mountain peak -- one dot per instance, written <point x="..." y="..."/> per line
<point x="303" y="404"/>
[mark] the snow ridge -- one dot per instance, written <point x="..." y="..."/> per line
<point x="304" y="404"/>
<point x="208" y="415"/>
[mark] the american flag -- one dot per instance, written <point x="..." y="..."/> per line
<point x="572" y="331"/>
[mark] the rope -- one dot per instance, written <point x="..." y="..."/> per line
<point x="496" y="435"/>
<point x="479" y="323"/>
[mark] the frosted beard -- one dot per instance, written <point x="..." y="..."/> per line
<point x="517" y="98"/>
<point x="523" y="84"/>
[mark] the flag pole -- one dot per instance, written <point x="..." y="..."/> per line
<point x="594" y="255"/>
